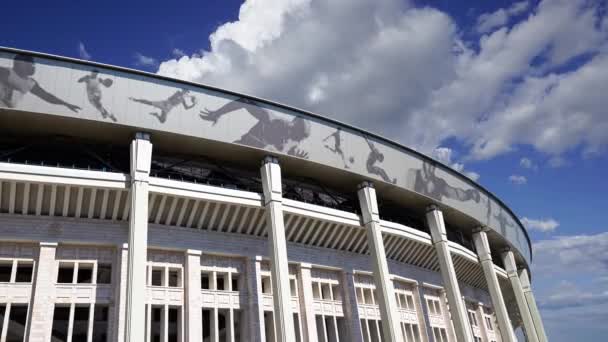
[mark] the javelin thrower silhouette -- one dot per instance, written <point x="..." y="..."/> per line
<point x="165" y="106"/>
<point x="374" y="157"/>
<point x="269" y="132"/>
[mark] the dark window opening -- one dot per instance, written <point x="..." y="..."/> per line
<point x="16" y="323"/>
<point x="173" y="278"/>
<point x="173" y="324"/>
<point x="65" y="275"/>
<point x="81" y="323"/>
<point x="24" y="272"/>
<point x="156" y="327"/>
<point x="5" y="271"/>
<point x="104" y="274"/>
<point x="100" y="323"/>
<point x="235" y="284"/>
<point x="85" y="274"/>
<point x="61" y="320"/>
<point x="157" y="277"/>
<point x="220" y="283"/>
<point x="204" y="281"/>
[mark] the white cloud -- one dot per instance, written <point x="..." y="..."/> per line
<point x="488" y="21"/>
<point x="527" y="163"/>
<point x="145" y="61"/>
<point x="518" y="179"/>
<point x="568" y="274"/>
<point x="83" y="53"/>
<point x="178" y="53"/>
<point x="578" y="253"/>
<point x="542" y="225"/>
<point x="409" y="73"/>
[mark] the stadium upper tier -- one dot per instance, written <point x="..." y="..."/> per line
<point x="90" y="100"/>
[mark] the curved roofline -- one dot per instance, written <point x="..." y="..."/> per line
<point x="283" y="106"/>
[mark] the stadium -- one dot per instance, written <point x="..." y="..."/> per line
<point x="135" y="207"/>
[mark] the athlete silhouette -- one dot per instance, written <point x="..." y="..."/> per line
<point x="18" y="81"/>
<point x="269" y="132"/>
<point x="337" y="145"/>
<point x="428" y="183"/>
<point x="165" y="106"/>
<point x="93" y="84"/>
<point x="374" y="157"/>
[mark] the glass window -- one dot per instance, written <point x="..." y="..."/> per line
<point x="61" y="320"/>
<point x="100" y="323"/>
<point x="104" y="274"/>
<point x="157" y="276"/>
<point x="220" y="282"/>
<point x="2" y="313"/>
<point x="24" y="272"/>
<point x="81" y="323"/>
<point x="65" y="275"/>
<point x="235" y="282"/>
<point x="85" y="274"/>
<point x="173" y="278"/>
<point x="16" y="323"/>
<point x="6" y="267"/>
<point x="205" y="281"/>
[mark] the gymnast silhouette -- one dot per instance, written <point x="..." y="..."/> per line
<point x="374" y="157"/>
<point x="166" y="106"/>
<point x="93" y="84"/>
<point x="17" y="81"/>
<point x="337" y="145"/>
<point x="428" y="183"/>
<point x="269" y="132"/>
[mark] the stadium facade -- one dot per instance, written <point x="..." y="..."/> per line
<point x="135" y="207"/>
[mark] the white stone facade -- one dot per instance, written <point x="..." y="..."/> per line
<point x="73" y="266"/>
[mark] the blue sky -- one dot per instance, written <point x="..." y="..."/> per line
<point x="511" y="93"/>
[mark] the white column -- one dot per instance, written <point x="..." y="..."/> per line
<point x="40" y="320"/>
<point x="91" y="322"/>
<point x="273" y="201"/>
<point x="458" y="310"/>
<point x="192" y="295"/>
<point x="482" y="246"/>
<point x="309" y="325"/>
<point x="255" y="314"/>
<point x="351" y="309"/>
<point x="527" y="288"/>
<point x="423" y="324"/>
<point x="141" y="156"/>
<point x="230" y="326"/>
<point x="384" y="285"/>
<point x="215" y="331"/>
<point x="511" y="268"/>
<point x="120" y="295"/>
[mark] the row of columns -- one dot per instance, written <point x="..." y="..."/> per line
<point x="141" y="152"/>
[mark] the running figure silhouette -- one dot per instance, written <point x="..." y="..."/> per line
<point x="269" y="132"/>
<point x="16" y="82"/>
<point x="93" y="84"/>
<point x="428" y="183"/>
<point x="374" y="157"/>
<point x="165" y="106"/>
<point x="337" y="145"/>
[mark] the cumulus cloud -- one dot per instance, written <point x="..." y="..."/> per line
<point x="178" y="53"/>
<point x="488" y="21"/>
<point x="144" y="61"/>
<point x="527" y="163"/>
<point x="542" y="225"/>
<point x="578" y="253"/>
<point x="445" y="154"/>
<point x="569" y="275"/>
<point x="409" y="74"/>
<point x="83" y="53"/>
<point x="518" y="179"/>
